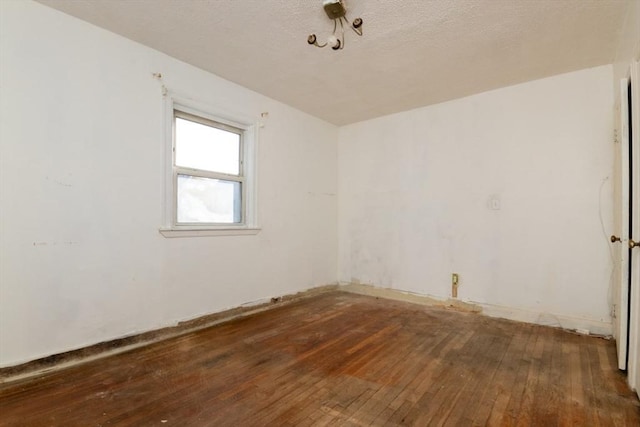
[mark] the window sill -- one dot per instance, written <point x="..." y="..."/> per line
<point x="199" y="232"/>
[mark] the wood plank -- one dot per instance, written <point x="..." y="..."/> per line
<point x="340" y="359"/>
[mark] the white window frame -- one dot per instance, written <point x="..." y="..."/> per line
<point x="249" y="134"/>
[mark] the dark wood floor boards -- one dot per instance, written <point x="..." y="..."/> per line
<point x="479" y="397"/>
<point x="467" y="399"/>
<point x="450" y="382"/>
<point x="599" y="384"/>
<point x="370" y="365"/>
<point x="341" y="359"/>
<point x="588" y="391"/>
<point x="524" y="413"/>
<point x="326" y="364"/>
<point x="407" y="375"/>
<point x="546" y="408"/>
<point x="605" y="387"/>
<point x="426" y="365"/>
<point x="340" y="401"/>
<point x="284" y="384"/>
<point x="504" y="351"/>
<point x="520" y="371"/>
<point x="400" y="365"/>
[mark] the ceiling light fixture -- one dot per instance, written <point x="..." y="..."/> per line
<point x="336" y="11"/>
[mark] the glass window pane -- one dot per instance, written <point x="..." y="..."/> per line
<point x="206" y="200"/>
<point x="207" y="148"/>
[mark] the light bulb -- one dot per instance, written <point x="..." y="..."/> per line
<point x="332" y="41"/>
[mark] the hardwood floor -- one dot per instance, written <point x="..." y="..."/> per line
<point x="341" y="359"/>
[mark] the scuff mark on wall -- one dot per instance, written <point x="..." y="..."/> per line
<point x="55" y="243"/>
<point x="58" y="182"/>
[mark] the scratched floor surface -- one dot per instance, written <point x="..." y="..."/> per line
<point x="340" y="359"/>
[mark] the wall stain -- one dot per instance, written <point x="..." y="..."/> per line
<point x="54" y="243"/>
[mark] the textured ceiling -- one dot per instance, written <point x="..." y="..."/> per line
<point x="413" y="52"/>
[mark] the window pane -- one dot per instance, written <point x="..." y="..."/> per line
<point x="206" y="200"/>
<point x="207" y="148"/>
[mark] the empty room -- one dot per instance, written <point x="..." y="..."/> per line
<point x="319" y="212"/>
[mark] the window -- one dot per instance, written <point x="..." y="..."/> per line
<point x="208" y="165"/>
<point x="210" y="187"/>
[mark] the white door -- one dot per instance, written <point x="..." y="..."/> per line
<point x="633" y="364"/>
<point x="627" y="289"/>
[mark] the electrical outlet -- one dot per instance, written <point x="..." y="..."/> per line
<point x="454" y="285"/>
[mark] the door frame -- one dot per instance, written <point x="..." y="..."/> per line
<point x="621" y="297"/>
<point x="633" y="368"/>
<point x="628" y="306"/>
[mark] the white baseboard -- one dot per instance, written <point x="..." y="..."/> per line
<point x="581" y="325"/>
<point x="578" y="324"/>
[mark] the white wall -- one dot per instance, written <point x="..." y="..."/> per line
<point x="415" y="191"/>
<point x="628" y="47"/>
<point x="81" y="258"/>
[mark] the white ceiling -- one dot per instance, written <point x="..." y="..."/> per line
<point x="413" y="52"/>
